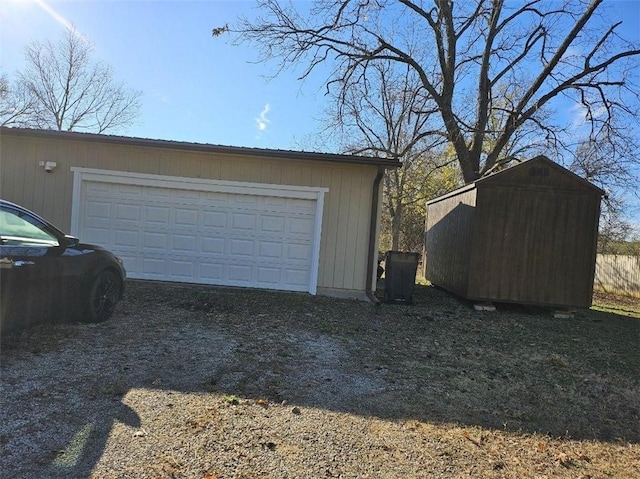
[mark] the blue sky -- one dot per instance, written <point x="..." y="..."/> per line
<point x="195" y="87"/>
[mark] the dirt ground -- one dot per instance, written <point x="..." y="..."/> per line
<point x="199" y="382"/>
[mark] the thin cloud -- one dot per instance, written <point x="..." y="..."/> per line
<point x="262" y="121"/>
<point x="60" y="19"/>
<point x="55" y="15"/>
<point x="580" y="114"/>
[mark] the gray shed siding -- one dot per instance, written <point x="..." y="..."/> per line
<point x="450" y="228"/>
<point x="529" y="238"/>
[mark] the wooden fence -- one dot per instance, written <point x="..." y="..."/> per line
<point x="618" y="274"/>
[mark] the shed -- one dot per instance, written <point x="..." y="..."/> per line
<point x="201" y="213"/>
<point x="525" y="235"/>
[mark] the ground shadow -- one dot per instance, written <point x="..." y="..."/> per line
<point x="437" y="361"/>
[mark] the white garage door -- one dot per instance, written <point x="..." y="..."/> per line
<point x="201" y="231"/>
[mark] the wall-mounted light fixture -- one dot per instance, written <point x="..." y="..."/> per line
<point x="48" y="166"/>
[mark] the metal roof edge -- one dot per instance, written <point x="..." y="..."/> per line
<point x="455" y="192"/>
<point x="201" y="147"/>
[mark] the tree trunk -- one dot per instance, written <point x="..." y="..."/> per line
<point x="396" y="223"/>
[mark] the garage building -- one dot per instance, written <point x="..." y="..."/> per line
<point x="198" y="213"/>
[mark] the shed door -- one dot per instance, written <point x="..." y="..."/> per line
<point x="200" y="231"/>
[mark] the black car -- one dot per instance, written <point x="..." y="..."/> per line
<point x="47" y="275"/>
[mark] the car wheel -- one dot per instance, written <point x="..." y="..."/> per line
<point x="103" y="297"/>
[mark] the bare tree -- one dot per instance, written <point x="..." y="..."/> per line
<point x="388" y="115"/>
<point x="69" y="91"/>
<point x="15" y="104"/>
<point x="611" y="165"/>
<point x="493" y="68"/>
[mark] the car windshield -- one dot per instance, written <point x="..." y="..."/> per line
<point x="21" y="229"/>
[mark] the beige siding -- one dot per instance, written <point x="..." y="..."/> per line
<point x="347" y="209"/>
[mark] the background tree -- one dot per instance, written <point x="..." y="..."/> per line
<point x="493" y="68"/>
<point x="388" y="115"/>
<point x="410" y="228"/>
<point x="607" y="164"/>
<point x="62" y="88"/>
<point x="15" y="104"/>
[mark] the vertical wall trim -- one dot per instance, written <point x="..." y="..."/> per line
<point x="75" y="201"/>
<point x="317" y="240"/>
<point x="372" y="255"/>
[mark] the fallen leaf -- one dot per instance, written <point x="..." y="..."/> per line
<point x="564" y="460"/>
<point x="497" y="466"/>
<point x="468" y="437"/>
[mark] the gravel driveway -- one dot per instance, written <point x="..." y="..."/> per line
<point x="213" y="383"/>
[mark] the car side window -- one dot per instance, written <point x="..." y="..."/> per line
<point x="19" y="229"/>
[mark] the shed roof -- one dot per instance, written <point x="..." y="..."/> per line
<point x="201" y="147"/>
<point x="504" y="176"/>
<point x="509" y="175"/>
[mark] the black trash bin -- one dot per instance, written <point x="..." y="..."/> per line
<point x="400" y="276"/>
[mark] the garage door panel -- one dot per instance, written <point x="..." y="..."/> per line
<point x="301" y="225"/>
<point x="181" y="270"/>
<point x="98" y="210"/>
<point x="94" y="188"/>
<point x="155" y="241"/>
<point x="242" y="247"/>
<point x="272" y="202"/>
<point x="245" y="200"/>
<point x="211" y="237"/>
<point x="240" y="273"/>
<point x="129" y="212"/>
<point x="271" y="223"/>
<point x="295" y="204"/>
<point x="157" y="214"/>
<point x="214" y="199"/>
<point x="186" y="217"/>
<point x="211" y="274"/>
<point x="132" y="194"/>
<point x="153" y="267"/>
<point x="270" y="250"/>
<point x="268" y="275"/>
<point x="95" y="235"/>
<point x="297" y="277"/>
<point x="215" y="219"/>
<point x="243" y="221"/>
<point x="185" y="244"/>
<point x="212" y="246"/>
<point x="298" y="252"/>
<point x="126" y="238"/>
<point x="187" y="194"/>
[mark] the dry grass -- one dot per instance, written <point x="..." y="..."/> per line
<point x="231" y="383"/>
<point x="620" y="305"/>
